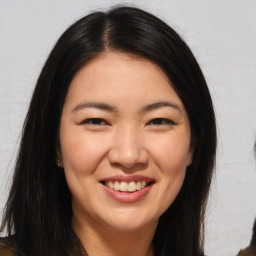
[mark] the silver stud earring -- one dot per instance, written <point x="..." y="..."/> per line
<point x="58" y="162"/>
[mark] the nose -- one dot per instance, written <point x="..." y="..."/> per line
<point x="128" y="149"/>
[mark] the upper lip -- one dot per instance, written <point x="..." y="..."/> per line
<point x="128" y="178"/>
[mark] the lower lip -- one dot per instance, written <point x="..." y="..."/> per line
<point x="128" y="197"/>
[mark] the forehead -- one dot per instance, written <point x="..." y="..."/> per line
<point x="118" y="65"/>
<point x="119" y="76"/>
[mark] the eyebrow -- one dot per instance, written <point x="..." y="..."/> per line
<point x="160" y="104"/>
<point x="107" y="107"/>
<point x="97" y="105"/>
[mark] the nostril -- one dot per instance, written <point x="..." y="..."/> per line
<point x="128" y="155"/>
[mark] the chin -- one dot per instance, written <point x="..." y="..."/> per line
<point x="129" y="221"/>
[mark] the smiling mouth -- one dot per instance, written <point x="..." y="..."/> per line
<point x="123" y="186"/>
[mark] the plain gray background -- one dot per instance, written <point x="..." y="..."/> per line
<point x="222" y="35"/>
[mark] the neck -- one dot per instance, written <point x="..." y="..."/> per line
<point x="106" y="241"/>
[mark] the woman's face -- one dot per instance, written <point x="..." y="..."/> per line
<point x="124" y="142"/>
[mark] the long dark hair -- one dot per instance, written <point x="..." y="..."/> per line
<point x="38" y="211"/>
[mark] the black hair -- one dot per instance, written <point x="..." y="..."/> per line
<point x="253" y="240"/>
<point x="38" y="211"/>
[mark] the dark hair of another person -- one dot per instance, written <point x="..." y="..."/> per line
<point x="38" y="212"/>
<point x="253" y="240"/>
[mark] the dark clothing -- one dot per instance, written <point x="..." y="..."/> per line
<point x="8" y="249"/>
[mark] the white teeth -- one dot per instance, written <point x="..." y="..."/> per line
<point x="138" y="185"/>
<point x="123" y="186"/>
<point x="126" y="187"/>
<point x="111" y="185"/>
<point x="116" y="185"/>
<point x="132" y="186"/>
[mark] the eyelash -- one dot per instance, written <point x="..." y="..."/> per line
<point x="95" y="121"/>
<point x="154" y="122"/>
<point x="160" y="121"/>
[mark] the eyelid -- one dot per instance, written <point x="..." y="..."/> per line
<point x="98" y="121"/>
<point x="163" y="121"/>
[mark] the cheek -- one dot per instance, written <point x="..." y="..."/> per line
<point x="172" y="161"/>
<point x="81" y="154"/>
<point x="172" y="155"/>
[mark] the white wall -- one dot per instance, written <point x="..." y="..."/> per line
<point x="222" y="35"/>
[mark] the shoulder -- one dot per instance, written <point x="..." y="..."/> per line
<point x="7" y="248"/>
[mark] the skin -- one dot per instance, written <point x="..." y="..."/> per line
<point x="133" y="135"/>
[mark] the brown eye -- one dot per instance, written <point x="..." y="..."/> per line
<point x="95" y="121"/>
<point x="161" y="121"/>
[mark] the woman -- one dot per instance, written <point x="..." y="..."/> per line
<point x="118" y="145"/>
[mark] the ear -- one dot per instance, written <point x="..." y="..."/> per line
<point x="190" y="156"/>
<point x="193" y="144"/>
